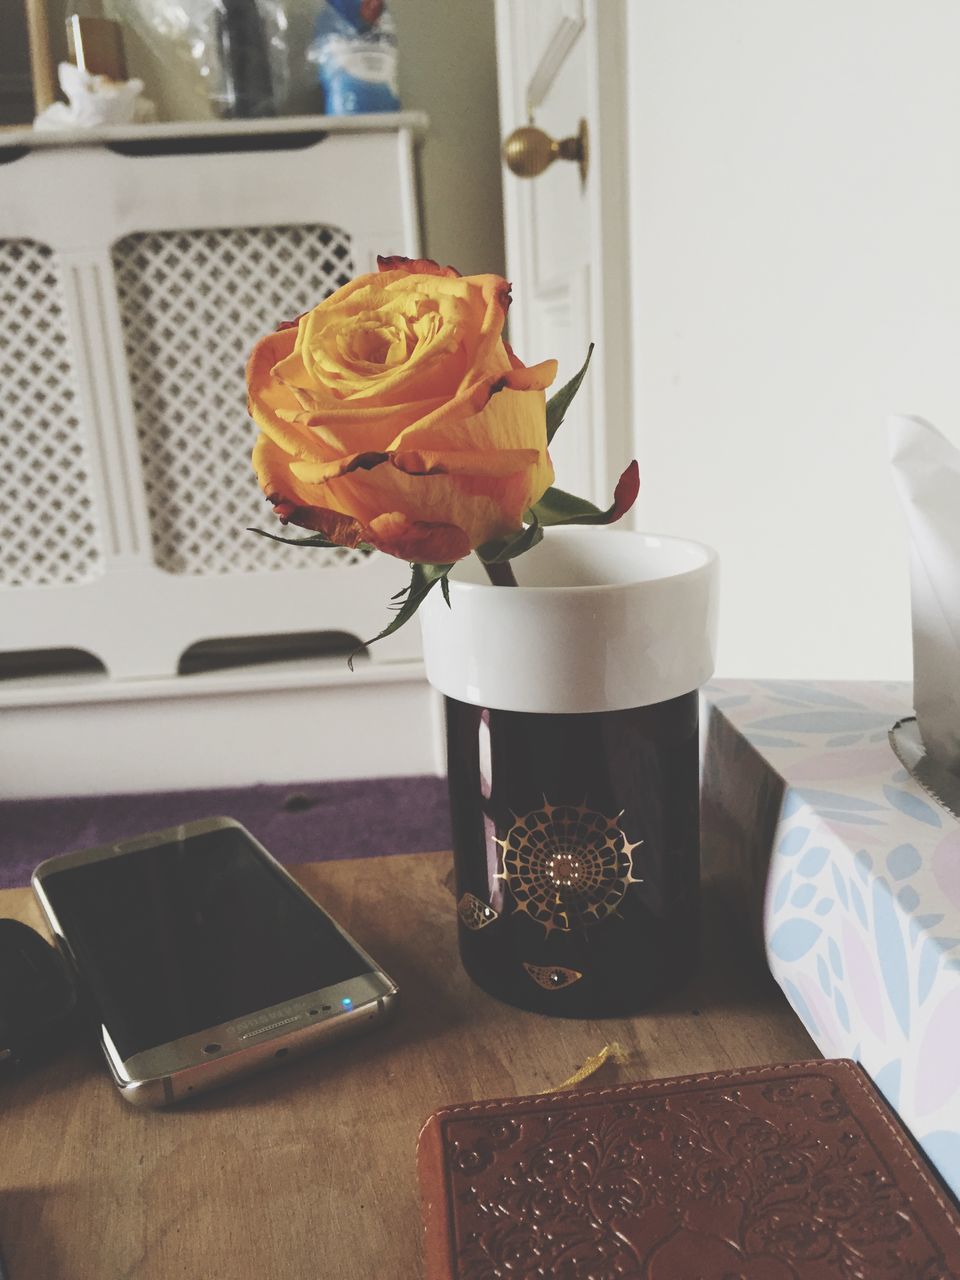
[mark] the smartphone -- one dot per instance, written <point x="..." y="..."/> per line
<point x="203" y="959"/>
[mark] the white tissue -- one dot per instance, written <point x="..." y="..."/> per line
<point x="926" y="469"/>
<point x="94" y="101"/>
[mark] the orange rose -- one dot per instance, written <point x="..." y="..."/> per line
<point x="394" y="414"/>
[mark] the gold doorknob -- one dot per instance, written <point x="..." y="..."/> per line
<point x="529" y="151"/>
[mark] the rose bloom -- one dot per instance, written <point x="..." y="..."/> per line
<point x="394" y="414"/>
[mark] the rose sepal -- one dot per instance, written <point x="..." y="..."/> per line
<point x="560" y="401"/>
<point x="315" y="540"/>
<point x="558" y="507"/>
<point x="500" y="550"/>
<point x="423" y="578"/>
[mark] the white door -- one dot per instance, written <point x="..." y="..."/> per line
<point x="562" y="62"/>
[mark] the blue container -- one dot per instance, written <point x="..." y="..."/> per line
<point x="355" y="51"/>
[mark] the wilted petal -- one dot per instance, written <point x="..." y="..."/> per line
<point x="415" y="266"/>
<point x="417" y="540"/>
<point x="340" y="529"/>
<point x="321" y="472"/>
<point x="462" y="462"/>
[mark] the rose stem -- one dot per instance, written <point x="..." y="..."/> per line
<point x="501" y="575"/>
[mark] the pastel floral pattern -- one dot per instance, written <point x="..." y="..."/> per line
<point x="862" y="901"/>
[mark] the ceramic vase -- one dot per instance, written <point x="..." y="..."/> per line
<point x="573" y="764"/>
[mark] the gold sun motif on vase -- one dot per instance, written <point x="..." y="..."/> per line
<point x="567" y="866"/>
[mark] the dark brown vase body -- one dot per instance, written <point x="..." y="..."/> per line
<point x="577" y="853"/>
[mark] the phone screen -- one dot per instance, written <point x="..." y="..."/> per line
<point x="183" y="936"/>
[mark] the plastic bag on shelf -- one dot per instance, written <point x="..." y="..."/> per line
<point x="355" y="51"/>
<point x="238" y="48"/>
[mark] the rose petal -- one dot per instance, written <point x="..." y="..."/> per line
<point x="414" y="266"/>
<point x="481" y="507"/>
<point x="534" y="377"/>
<point x="490" y="352"/>
<point x="272" y="465"/>
<point x="342" y="530"/>
<point x="296" y="502"/>
<point x="417" y="540"/>
<point x="492" y="462"/>
<point x="335" y="431"/>
<point x="472" y="401"/>
<point x="330" y="363"/>
<point x="345" y="413"/>
<point x="266" y="397"/>
<point x="321" y="472"/>
<point x="515" y="361"/>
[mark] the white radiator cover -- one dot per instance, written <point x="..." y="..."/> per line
<point x="137" y="268"/>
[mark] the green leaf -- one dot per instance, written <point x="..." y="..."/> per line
<point x="423" y="578"/>
<point x="515" y="544"/>
<point x="559" y="403"/>
<point x="445" y="588"/>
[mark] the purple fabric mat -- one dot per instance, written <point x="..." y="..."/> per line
<point x="299" y="822"/>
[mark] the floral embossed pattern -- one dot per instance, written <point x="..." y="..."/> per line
<point x="773" y="1174"/>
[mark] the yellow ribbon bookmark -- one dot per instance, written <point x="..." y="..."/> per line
<point x="614" y="1052"/>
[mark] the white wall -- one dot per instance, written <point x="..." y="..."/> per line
<point x="795" y="179"/>
<point x="448" y="68"/>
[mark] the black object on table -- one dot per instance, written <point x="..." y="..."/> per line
<point x="38" y="998"/>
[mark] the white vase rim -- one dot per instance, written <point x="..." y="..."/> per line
<point x="645" y="637"/>
<point x="708" y="553"/>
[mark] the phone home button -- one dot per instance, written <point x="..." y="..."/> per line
<point x="212" y="1048"/>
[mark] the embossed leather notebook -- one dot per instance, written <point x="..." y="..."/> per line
<point x="796" y="1172"/>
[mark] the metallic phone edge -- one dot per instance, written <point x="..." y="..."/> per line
<point x="191" y="1081"/>
<point x="160" y="1090"/>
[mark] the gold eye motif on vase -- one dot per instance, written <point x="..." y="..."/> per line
<point x="553" y="977"/>
<point x="567" y="866"/>
<point x="475" y="913"/>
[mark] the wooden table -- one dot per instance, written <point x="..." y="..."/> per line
<point x="308" y="1173"/>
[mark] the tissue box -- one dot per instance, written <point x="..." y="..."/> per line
<point x="854" y="872"/>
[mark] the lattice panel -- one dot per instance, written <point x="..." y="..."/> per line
<point x="48" y="528"/>
<point x="193" y="303"/>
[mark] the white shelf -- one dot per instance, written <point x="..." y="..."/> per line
<point x="381" y="122"/>
<point x="233" y="728"/>
<point x="77" y="689"/>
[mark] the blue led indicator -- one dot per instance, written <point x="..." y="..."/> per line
<point x="347" y="1002"/>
